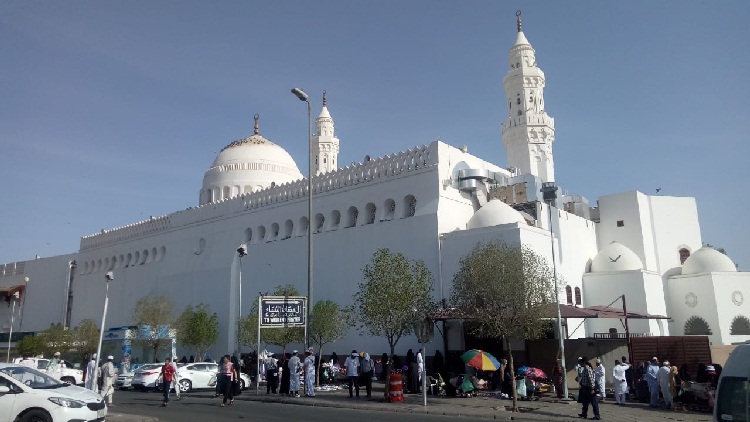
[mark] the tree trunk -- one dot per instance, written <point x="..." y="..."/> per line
<point x="512" y="375"/>
<point x="320" y="362"/>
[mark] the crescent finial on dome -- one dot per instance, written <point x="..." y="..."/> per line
<point x="257" y="117"/>
<point x="324" y="98"/>
<point x="518" y="20"/>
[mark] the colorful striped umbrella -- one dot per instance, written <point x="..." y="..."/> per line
<point x="481" y="360"/>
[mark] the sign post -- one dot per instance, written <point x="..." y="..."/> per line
<point x="280" y="312"/>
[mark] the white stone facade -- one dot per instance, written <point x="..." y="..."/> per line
<point x="430" y="202"/>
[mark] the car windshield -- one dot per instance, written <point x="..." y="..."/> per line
<point x="32" y="378"/>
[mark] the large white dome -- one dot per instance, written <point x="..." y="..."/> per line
<point x="707" y="260"/>
<point x="247" y="165"/>
<point x="616" y="257"/>
<point x="494" y="213"/>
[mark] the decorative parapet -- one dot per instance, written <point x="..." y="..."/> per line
<point x="529" y="121"/>
<point x="359" y="173"/>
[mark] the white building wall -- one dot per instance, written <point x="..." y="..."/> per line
<point x="675" y="225"/>
<point x="632" y="209"/>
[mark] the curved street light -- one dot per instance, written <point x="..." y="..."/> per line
<point x="107" y="277"/>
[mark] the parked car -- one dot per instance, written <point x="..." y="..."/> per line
<point x="146" y="376"/>
<point x="125" y="380"/>
<point x="201" y="375"/>
<point x="70" y="373"/>
<point x="732" y="401"/>
<point x="27" y="394"/>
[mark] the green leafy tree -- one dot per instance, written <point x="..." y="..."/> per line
<point x="393" y="292"/>
<point x="56" y="338"/>
<point x="505" y="291"/>
<point x="31" y="345"/>
<point x="86" y="338"/>
<point x="197" y="329"/>
<point x="154" y="315"/>
<point x="330" y="322"/>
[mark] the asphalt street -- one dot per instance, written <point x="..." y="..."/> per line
<point x="201" y="406"/>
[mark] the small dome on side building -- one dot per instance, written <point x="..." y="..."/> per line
<point x="494" y="213"/>
<point x="707" y="260"/>
<point x="616" y="257"/>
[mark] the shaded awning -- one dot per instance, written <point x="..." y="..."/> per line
<point x="569" y="311"/>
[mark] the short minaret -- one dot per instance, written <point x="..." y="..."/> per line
<point x="528" y="132"/>
<point x="325" y="143"/>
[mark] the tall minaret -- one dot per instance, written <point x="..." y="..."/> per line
<point x="528" y="131"/>
<point x="326" y="144"/>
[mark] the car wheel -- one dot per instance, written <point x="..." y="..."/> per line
<point x="185" y="386"/>
<point x="36" y="416"/>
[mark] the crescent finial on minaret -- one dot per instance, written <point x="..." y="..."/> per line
<point x="257" y="117"/>
<point x="518" y="20"/>
<point x="324" y="98"/>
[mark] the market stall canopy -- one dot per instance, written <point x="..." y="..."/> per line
<point x="569" y="311"/>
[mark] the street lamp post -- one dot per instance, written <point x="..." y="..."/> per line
<point x="303" y="97"/>
<point x="241" y="251"/>
<point x="549" y="194"/>
<point x="15" y="297"/>
<point x="108" y="277"/>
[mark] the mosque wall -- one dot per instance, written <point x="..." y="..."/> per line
<point x="692" y="298"/>
<point x="675" y="225"/>
<point x="625" y="218"/>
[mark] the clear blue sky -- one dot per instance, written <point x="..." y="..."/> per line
<point x="110" y="111"/>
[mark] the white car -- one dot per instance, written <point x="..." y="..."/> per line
<point x="125" y="381"/>
<point x="27" y="394"/>
<point x="200" y="375"/>
<point x="146" y="376"/>
<point x="69" y="373"/>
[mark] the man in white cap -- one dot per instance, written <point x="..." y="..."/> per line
<point x="295" y="369"/>
<point x="54" y="367"/>
<point x="662" y="377"/>
<point x="91" y="374"/>
<point x="108" y="379"/>
<point x="599" y="375"/>
<point x="352" y="372"/>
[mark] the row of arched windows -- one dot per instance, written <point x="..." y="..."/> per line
<point x="125" y="260"/>
<point x="569" y="295"/>
<point x="334" y="220"/>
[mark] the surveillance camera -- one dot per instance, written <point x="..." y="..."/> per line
<point x="109" y="276"/>
<point x="242" y="250"/>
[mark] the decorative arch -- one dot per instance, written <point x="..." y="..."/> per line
<point x="697" y="326"/>
<point x="389" y="209"/>
<point x="370" y="210"/>
<point x="248" y="235"/>
<point x="410" y="206"/>
<point x="578" y="295"/>
<point x="351" y="216"/>
<point x="684" y="255"/>
<point x="568" y="295"/>
<point x="303" y="223"/>
<point x="261" y="233"/>
<point x="319" y="222"/>
<point x="740" y="326"/>
<point x="335" y="219"/>
<point x="274" y="231"/>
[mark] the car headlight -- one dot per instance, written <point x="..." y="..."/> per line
<point x="66" y="402"/>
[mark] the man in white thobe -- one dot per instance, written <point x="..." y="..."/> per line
<point x="621" y="382"/>
<point x="54" y="367"/>
<point x="662" y="378"/>
<point x="599" y="374"/>
<point x="108" y="380"/>
<point x="91" y="374"/>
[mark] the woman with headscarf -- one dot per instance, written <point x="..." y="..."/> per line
<point x="309" y="367"/>
<point x="285" y="378"/>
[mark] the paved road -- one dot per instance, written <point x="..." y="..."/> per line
<point x="333" y="406"/>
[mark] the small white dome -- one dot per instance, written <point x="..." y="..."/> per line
<point x="495" y="213"/>
<point x="707" y="260"/>
<point x="616" y="257"/>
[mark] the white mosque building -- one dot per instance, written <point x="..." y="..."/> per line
<point x="433" y="202"/>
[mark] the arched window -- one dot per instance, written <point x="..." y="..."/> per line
<point x="684" y="254"/>
<point x="697" y="326"/>
<point x="303" y="222"/>
<point x="320" y="220"/>
<point x="578" y="295"/>
<point x="370" y="210"/>
<point x="351" y="217"/>
<point x="410" y="206"/>
<point x="740" y="326"/>
<point x="568" y="295"/>
<point x="226" y="193"/>
<point x="274" y="231"/>
<point x="248" y="235"/>
<point x="390" y="209"/>
<point x="335" y="220"/>
<point x="288" y="229"/>
<point x="261" y="233"/>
